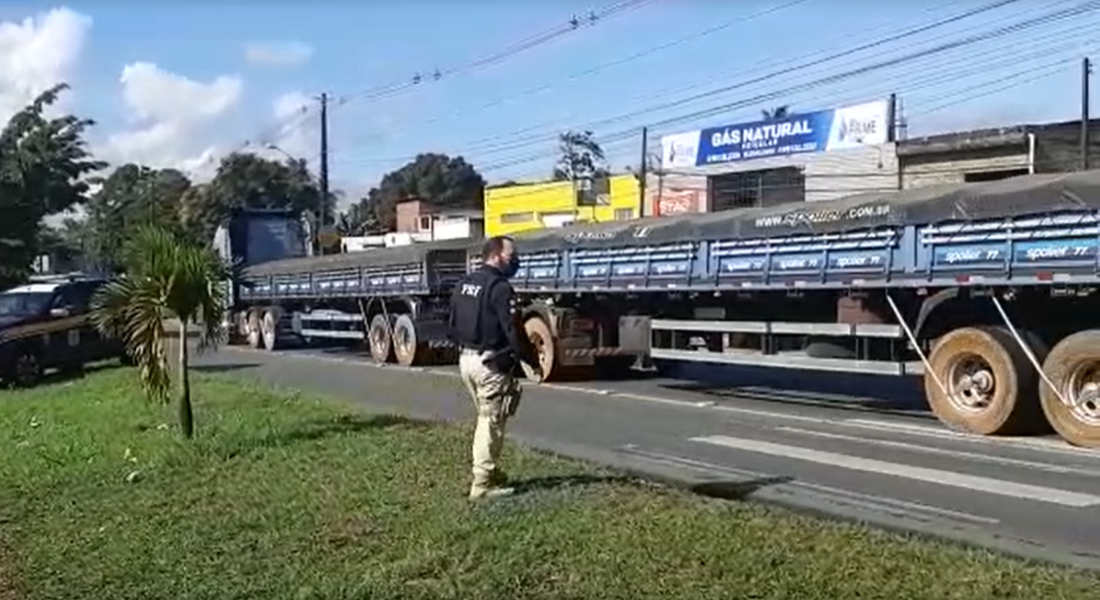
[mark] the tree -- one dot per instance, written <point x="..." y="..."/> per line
<point x="131" y="196"/>
<point x="581" y="157"/>
<point x="43" y="164"/>
<point x="167" y="276"/>
<point x="65" y="245"/>
<point x="247" y="180"/>
<point x="360" y="218"/>
<point x="779" y="112"/>
<point x="437" y="178"/>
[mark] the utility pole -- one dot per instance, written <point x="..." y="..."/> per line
<point x="1086" y="71"/>
<point x="322" y="218"/>
<point x="892" y="119"/>
<point x="643" y="172"/>
<point x="324" y="158"/>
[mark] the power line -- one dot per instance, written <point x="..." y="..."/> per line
<point x="839" y="77"/>
<point x="961" y="68"/>
<point x="264" y="136"/>
<point x="572" y="24"/>
<point x="1009" y="82"/>
<point x="1062" y="62"/>
<point x="769" y="96"/>
<point x="540" y="156"/>
<point x="698" y="35"/>
<point x="487" y="145"/>
<point x="905" y="34"/>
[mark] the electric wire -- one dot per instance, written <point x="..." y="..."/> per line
<point x="617" y="62"/>
<point x="614" y="137"/>
<point x="264" y="136"/>
<point x="820" y="82"/>
<point x="501" y="55"/>
<point x="477" y="145"/>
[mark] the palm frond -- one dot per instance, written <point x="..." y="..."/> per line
<point x="201" y="292"/>
<point x="132" y="310"/>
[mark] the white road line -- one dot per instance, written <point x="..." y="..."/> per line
<point x="940" y="432"/>
<point x="879" y="503"/>
<point x="977" y="456"/>
<point x="722" y="408"/>
<point x="948" y="478"/>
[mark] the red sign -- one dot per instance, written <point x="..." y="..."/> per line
<point x="676" y="202"/>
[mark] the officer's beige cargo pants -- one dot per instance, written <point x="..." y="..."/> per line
<point x="492" y="392"/>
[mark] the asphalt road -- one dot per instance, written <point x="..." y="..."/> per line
<point x="880" y="459"/>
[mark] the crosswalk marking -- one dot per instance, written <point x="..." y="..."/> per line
<point x="949" y="478"/>
<point x="950" y="452"/>
<point x="943" y="433"/>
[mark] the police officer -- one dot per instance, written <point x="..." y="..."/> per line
<point x="484" y="323"/>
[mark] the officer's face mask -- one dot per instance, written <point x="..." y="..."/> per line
<point x="511" y="266"/>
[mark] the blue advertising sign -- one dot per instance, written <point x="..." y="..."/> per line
<point x="821" y="131"/>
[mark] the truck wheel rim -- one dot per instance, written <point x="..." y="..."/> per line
<point x="377" y="337"/>
<point x="403" y="340"/>
<point x="971" y="384"/>
<point x="26" y="369"/>
<point x="1083" y="393"/>
<point x="540" y="348"/>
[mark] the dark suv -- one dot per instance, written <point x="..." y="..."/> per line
<point x="45" y="325"/>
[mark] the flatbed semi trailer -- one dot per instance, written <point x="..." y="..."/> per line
<point x="985" y="290"/>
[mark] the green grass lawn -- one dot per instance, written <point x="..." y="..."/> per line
<point x="285" y="496"/>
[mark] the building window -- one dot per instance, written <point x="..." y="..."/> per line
<point x="624" y="214"/>
<point x="425" y="223"/>
<point x="592" y="191"/>
<point x="558" y="218"/>
<point x="521" y="217"/>
<point x="749" y="189"/>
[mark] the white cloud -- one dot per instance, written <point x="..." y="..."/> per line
<point x="38" y="53"/>
<point x="277" y="54"/>
<point x="157" y="94"/>
<point x="170" y="114"/>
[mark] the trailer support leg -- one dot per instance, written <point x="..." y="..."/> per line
<point x="1027" y="350"/>
<point x="916" y="346"/>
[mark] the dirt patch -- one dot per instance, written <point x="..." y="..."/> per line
<point x="9" y="589"/>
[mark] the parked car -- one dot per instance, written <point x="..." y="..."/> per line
<point x="46" y="325"/>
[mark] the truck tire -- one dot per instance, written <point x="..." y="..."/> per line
<point x="252" y="330"/>
<point x="407" y="347"/>
<point x="539" y="334"/>
<point x="380" y="340"/>
<point x="1073" y="366"/>
<point x="991" y="386"/>
<point x="270" y="330"/>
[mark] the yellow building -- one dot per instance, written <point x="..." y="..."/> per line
<point x="522" y="207"/>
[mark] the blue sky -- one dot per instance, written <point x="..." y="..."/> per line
<point x="359" y="47"/>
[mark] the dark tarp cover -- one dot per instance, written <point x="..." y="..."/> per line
<point x="382" y="257"/>
<point x="1018" y="196"/>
